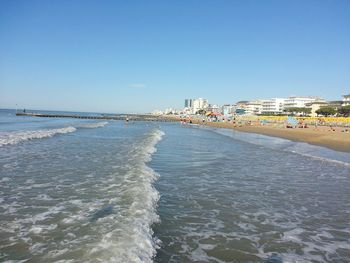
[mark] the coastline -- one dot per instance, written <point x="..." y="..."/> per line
<point x="322" y="136"/>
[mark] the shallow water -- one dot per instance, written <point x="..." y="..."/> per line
<point x="86" y="195"/>
<point x="236" y="197"/>
<point x="92" y="191"/>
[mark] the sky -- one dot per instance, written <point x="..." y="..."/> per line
<point x="137" y="56"/>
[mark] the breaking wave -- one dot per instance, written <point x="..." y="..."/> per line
<point x="19" y="137"/>
<point x="106" y="215"/>
<point x="94" y="125"/>
<point x="133" y="240"/>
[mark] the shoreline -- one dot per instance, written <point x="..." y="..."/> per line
<point x="322" y="136"/>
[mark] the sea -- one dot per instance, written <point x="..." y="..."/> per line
<point x="74" y="190"/>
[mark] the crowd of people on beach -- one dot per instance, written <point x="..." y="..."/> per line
<point x="289" y="123"/>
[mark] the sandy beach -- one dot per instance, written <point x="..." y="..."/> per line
<point x="322" y="136"/>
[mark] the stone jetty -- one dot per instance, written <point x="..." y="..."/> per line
<point x="129" y="117"/>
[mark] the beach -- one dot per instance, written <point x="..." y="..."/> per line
<point x="335" y="139"/>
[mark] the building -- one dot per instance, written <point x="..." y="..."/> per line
<point x="273" y="106"/>
<point x="346" y="100"/>
<point x="187" y="111"/>
<point x="315" y="106"/>
<point x="199" y="104"/>
<point x="188" y="103"/>
<point x="241" y="106"/>
<point x="254" y="107"/>
<point x="157" y="112"/>
<point x="228" y="109"/>
<point x="336" y="104"/>
<point x="170" y="111"/>
<point x="213" y="108"/>
<point x="300" y="102"/>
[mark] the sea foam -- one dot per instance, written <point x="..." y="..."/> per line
<point x="133" y="240"/>
<point x="18" y="137"/>
<point x="93" y="125"/>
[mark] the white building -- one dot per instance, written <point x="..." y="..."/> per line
<point x="228" y="109"/>
<point x="199" y="104"/>
<point x="300" y="102"/>
<point x="346" y="100"/>
<point x="273" y="106"/>
<point x="314" y="106"/>
<point x="213" y="108"/>
<point x="157" y="112"/>
<point x="170" y="111"/>
<point x="254" y="107"/>
<point x="187" y="111"/>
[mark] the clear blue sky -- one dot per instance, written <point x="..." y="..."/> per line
<point x="135" y="56"/>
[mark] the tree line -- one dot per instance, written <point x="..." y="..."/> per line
<point x="329" y="111"/>
<point x="325" y="111"/>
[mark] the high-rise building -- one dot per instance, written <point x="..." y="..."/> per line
<point x="188" y="103"/>
<point x="199" y="104"/>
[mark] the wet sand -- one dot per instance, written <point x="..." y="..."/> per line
<point x="322" y="136"/>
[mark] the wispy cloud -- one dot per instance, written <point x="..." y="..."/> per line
<point x="137" y="86"/>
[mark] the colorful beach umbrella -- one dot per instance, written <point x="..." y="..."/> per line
<point x="292" y="121"/>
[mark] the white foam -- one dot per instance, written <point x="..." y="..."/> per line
<point x="48" y="214"/>
<point x="16" y="261"/>
<point x="43" y="197"/>
<point x="293" y="235"/>
<point x="93" y="125"/>
<point x="18" y="137"/>
<point x="133" y="240"/>
<point x="36" y="229"/>
<point x="5" y="179"/>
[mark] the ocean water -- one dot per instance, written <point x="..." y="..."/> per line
<point x="93" y="191"/>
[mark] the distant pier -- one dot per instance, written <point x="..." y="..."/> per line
<point x="130" y="117"/>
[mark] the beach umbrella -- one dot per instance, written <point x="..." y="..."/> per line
<point x="292" y="121"/>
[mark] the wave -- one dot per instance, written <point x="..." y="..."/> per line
<point x="94" y="125"/>
<point x="144" y="207"/>
<point x="19" y="137"/>
<point x="133" y="240"/>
